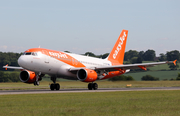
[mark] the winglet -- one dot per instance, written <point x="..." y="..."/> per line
<point x="6" y="65"/>
<point x="174" y="62"/>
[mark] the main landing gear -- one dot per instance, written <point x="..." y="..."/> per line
<point x="54" y="85"/>
<point x="92" y="86"/>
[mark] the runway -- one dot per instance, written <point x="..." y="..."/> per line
<point x="41" y="91"/>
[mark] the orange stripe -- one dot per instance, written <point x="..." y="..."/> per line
<point x="61" y="56"/>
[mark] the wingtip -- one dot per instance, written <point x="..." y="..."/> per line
<point x="6" y="65"/>
<point x="175" y="62"/>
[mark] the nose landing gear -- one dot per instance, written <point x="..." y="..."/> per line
<point x="38" y="78"/>
<point x="36" y="83"/>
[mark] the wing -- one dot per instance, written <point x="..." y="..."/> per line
<point x="125" y="67"/>
<point x="12" y="67"/>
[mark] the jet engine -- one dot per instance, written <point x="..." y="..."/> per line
<point x="87" y="75"/>
<point x="28" y="76"/>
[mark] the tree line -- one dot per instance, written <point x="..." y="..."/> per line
<point x="9" y="58"/>
<point x="9" y="76"/>
<point x="133" y="56"/>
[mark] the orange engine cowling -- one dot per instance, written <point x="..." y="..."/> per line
<point x="87" y="75"/>
<point x="27" y="76"/>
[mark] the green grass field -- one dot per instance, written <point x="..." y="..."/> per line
<point x="123" y="103"/>
<point x="78" y="84"/>
<point x="156" y="71"/>
<point x="127" y="103"/>
<point x="160" y="74"/>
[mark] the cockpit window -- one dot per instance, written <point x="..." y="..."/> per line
<point x="34" y="53"/>
<point x="30" y="53"/>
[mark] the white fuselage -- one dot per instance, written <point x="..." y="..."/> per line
<point x="54" y="65"/>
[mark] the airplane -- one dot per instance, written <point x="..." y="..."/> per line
<point x="36" y="62"/>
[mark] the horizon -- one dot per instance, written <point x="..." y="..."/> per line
<point x="94" y="53"/>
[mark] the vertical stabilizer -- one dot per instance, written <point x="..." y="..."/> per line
<point x="117" y="54"/>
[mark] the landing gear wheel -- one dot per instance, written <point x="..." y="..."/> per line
<point x="55" y="86"/>
<point x="90" y="86"/>
<point x="95" y="86"/>
<point x="52" y="87"/>
<point x="36" y="83"/>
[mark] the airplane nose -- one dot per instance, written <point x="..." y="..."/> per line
<point x="22" y="61"/>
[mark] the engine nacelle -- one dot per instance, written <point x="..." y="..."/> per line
<point x="28" y="76"/>
<point x="87" y="75"/>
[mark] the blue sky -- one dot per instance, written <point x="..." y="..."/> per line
<point x="93" y="25"/>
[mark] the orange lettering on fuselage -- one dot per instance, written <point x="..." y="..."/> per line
<point x="59" y="55"/>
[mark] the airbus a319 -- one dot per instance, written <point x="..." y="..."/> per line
<point x="36" y="62"/>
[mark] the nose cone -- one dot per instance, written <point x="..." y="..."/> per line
<point x="22" y="61"/>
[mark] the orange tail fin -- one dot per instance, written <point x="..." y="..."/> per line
<point x="117" y="54"/>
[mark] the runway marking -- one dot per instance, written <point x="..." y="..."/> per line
<point x="6" y="92"/>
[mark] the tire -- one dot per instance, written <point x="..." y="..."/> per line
<point x="57" y="86"/>
<point x="52" y="87"/>
<point x="95" y="86"/>
<point x="37" y="83"/>
<point x="90" y="86"/>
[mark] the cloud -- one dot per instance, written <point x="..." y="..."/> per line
<point x="4" y="47"/>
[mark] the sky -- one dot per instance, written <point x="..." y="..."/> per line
<point x="81" y="26"/>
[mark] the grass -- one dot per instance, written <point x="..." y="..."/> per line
<point x="127" y="103"/>
<point x="156" y="71"/>
<point x="78" y="84"/>
<point x="160" y="74"/>
<point x="160" y="67"/>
